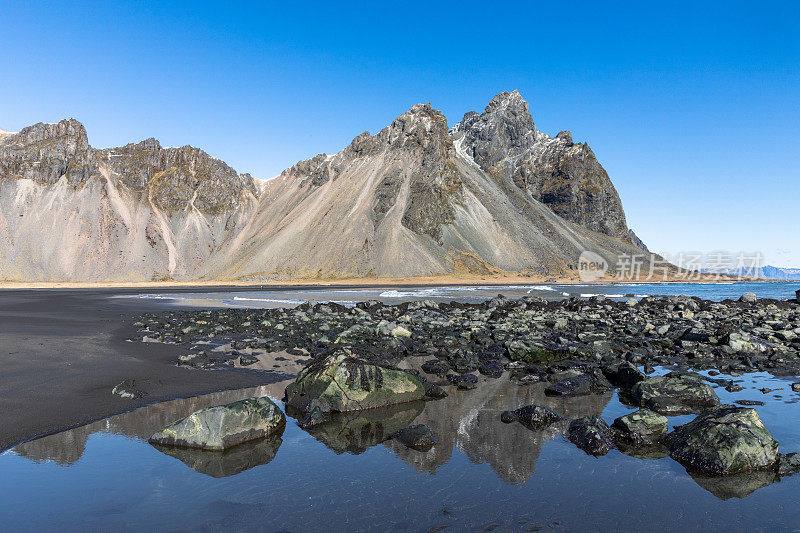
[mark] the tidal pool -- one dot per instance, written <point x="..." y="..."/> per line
<point x="349" y="476"/>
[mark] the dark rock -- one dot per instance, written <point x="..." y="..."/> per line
<point x="796" y="387"/>
<point x="491" y="369"/>
<point x="536" y="416"/>
<point x="465" y="381"/>
<point x="577" y="386"/>
<point x="314" y="418"/>
<point x="591" y="434"/>
<point x="435" y="366"/>
<point x="696" y="335"/>
<point x="247" y="360"/>
<point x="749" y="402"/>
<point x="748" y="297"/>
<point x="418" y="437"/>
<point x="508" y="416"/>
<point x="434" y="391"/>
<point x="624" y="374"/>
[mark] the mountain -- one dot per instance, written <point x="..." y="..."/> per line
<point x="69" y="212"/>
<point x="771" y="272"/>
<point x="563" y="175"/>
<point x="415" y="199"/>
<point x="755" y="271"/>
<point x="637" y="241"/>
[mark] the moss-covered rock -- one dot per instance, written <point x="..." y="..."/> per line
<point x="224" y="426"/>
<point x="682" y="389"/>
<point x="724" y="441"/>
<point x="342" y="382"/>
<point x="530" y="351"/>
<point x="642" y="422"/>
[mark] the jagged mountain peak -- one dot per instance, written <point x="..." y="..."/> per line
<point x="512" y="100"/>
<point x="566" y="176"/>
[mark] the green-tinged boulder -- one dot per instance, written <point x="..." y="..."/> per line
<point x="224" y="426"/>
<point x="342" y="382"/>
<point x="724" y="441"/>
<point x="682" y="389"/>
<point x="642" y="422"/>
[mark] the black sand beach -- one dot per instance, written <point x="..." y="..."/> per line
<point x="62" y="351"/>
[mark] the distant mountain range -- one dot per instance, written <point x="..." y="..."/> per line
<point x="766" y="272"/>
<point x="492" y="193"/>
<point x="771" y="272"/>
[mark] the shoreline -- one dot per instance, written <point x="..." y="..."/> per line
<point x="421" y="281"/>
<point x="64" y="351"/>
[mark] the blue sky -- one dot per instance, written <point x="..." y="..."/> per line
<point x="692" y="109"/>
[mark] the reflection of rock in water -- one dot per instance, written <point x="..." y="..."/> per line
<point x="228" y="463"/>
<point x="470" y="420"/>
<point x="737" y="485"/>
<point x="355" y="431"/>
<point x="66" y="447"/>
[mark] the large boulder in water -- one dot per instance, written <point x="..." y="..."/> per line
<point x="674" y="393"/>
<point x="342" y="382"/>
<point x="724" y="441"/>
<point x="224" y="426"/>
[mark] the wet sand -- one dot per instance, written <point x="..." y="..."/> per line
<point x="62" y="351"/>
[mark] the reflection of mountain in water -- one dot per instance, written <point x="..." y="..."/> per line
<point x="470" y="420"/>
<point x="227" y="463"/>
<point x="66" y="448"/>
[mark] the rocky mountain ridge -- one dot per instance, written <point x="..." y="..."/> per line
<point x="69" y="212"/>
<point x="493" y="193"/>
<point x="562" y="174"/>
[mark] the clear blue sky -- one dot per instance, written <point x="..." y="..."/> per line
<point x="694" y="110"/>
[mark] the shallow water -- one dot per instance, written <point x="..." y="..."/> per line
<point x="482" y="474"/>
<point x="470" y="294"/>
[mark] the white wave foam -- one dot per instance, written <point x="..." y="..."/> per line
<point x="293" y="301"/>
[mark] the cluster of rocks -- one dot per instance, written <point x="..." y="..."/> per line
<point x="531" y="337"/>
<point x="368" y="356"/>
